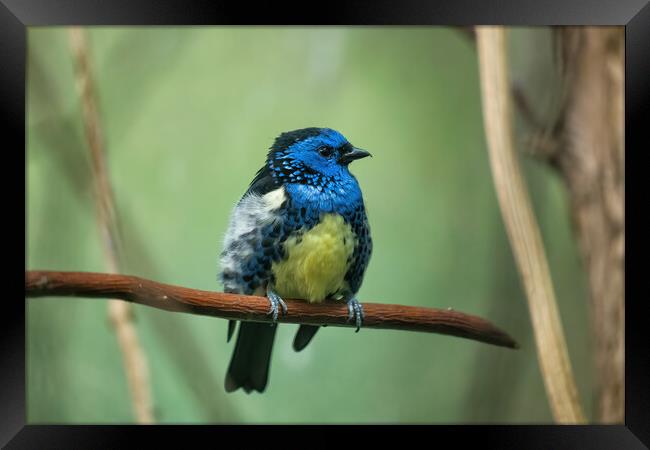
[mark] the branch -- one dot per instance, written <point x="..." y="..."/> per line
<point x="255" y="309"/>
<point x="521" y="226"/>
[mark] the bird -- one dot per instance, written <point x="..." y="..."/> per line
<point x="300" y="231"/>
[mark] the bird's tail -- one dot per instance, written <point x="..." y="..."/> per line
<point x="249" y="366"/>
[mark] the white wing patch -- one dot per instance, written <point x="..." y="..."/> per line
<point x="274" y="199"/>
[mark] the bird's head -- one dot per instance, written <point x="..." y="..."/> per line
<point x="312" y="156"/>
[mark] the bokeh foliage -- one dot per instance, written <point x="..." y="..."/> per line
<point x="188" y="115"/>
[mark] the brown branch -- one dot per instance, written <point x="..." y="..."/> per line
<point x="255" y="309"/>
<point x="133" y="355"/>
<point x="521" y="226"/>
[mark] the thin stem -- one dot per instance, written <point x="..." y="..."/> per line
<point x="521" y="226"/>
<point x="135" y="362"/>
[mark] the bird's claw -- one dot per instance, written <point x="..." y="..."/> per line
<point x="276" y="301"/>
<point x="355" y="311"/>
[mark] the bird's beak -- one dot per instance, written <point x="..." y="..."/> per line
<point x="355" y="153"/>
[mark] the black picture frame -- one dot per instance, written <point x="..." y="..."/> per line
<point x="16" y="15"/>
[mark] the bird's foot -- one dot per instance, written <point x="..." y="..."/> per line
<point x="276" y="303"/>
<point x="355" y="311"/>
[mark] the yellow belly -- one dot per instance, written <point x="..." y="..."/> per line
<point x="316" y="262"/>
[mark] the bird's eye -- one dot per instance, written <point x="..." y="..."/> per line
<point x="326" y="151"/>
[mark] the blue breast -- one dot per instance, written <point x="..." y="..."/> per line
<point x="309" y="203"/>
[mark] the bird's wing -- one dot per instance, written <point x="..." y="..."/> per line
<point x="254" y="237"/>
<point x="253" y="241"/>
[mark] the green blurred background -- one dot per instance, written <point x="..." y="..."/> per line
<point x="188" y="115"/>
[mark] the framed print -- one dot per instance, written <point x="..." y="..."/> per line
<point x="376" y="214"/>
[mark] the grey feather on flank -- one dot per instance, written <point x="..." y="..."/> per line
<point x="249" y="216"/>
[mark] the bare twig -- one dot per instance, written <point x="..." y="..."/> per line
<point x="256" y="309"/>
<point x="119" y="312"/>
<point x="522" y="228"/>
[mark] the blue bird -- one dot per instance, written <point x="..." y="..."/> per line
<point x="300" y="231"/>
